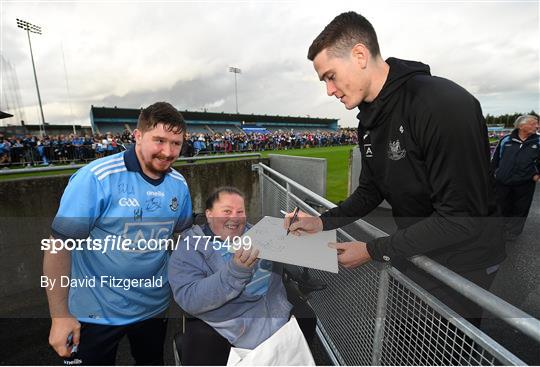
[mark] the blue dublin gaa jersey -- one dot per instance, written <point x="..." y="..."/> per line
<point x="118" y="225"/>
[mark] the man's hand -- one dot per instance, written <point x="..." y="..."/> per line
<point x="536" y="178"/>
<point x="58" y="337"/>
<point x="304" y="223"/>
<point x="246" y="258"/>
<point x="351" y="254"/>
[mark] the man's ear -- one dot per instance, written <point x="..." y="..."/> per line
<point x="138" y="135"/>
<point x="360" y="54"/>
<point x="208" y="213"/>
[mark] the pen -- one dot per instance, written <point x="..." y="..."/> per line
<point x="295" y="216"/>
<point x="69" y="343"/>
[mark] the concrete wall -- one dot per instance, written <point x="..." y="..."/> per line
<point x="308" y="172"/>
<point x="355" y="167"/>
<point x="28" y="206"/>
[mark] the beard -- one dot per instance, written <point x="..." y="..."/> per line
<point x="159" y="165"/>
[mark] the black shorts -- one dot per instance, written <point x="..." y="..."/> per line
<point x="99" y="343"/>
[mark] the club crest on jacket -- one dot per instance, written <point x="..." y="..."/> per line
<point x="395" y="152"/>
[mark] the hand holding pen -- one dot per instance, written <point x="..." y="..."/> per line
<point x="294" y="218"/>
<point x="299" y="223"/>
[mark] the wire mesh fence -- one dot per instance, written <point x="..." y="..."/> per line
<point x="376" y="315"/>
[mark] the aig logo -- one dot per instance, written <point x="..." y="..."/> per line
<point x="128" y="202"/>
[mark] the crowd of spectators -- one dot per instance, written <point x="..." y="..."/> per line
<point x="31" y="150"/>
<point x="230" y="142"/>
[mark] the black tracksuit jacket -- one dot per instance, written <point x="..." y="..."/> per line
<point x="519" y="160"/>
<point x="425" y="150"/>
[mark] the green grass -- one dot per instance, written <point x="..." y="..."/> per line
<point x="36" y="174"/>
<point x="337" y="159"/>
<point x="337" y="174"/>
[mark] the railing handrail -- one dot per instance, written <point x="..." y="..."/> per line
<point x="77" y="166"/>
<point x="512" y="315"/>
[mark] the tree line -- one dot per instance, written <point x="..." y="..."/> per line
<point x="507" y="120"/>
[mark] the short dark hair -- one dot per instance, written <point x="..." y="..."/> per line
<point x="161" y="113"/>
<point x="223" y="189"/>
<point x="342" y="33"/>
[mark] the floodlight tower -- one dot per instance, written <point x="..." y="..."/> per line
<point x="29" y="27"/>
<point x="235" y="71"/>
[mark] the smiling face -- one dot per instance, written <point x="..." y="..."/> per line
<point x="157" y="149"/>
<point x="227" y="217"/>
<point x="346" y="76"/>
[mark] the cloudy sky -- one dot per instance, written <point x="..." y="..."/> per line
<point x="133" y="53"/>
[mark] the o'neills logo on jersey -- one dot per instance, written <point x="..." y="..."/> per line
<point x="395" y="152"/>
<point x="155" y="193"/>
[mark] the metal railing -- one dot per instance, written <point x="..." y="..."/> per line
<point x="376" y="315"/>
<point x="77" y="166"/>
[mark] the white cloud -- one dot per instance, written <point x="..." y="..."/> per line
<point x="132" y="54"/>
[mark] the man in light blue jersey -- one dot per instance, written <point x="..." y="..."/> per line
<point x="121" y="211"/>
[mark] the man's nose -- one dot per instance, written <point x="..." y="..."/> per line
<point x="330" y="88"/>
<point x="167" y="150"/>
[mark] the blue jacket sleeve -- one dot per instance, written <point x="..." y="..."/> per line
<point x="496" y="156"/>
<point x="196" y="291"/>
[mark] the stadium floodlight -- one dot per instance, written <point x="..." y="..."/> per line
<point x="29" y="27"/>
<point x="235" y="71"/>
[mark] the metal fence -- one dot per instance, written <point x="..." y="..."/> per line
<point x="67" y="167"/>
<point x="54" y="154"/>
<point x="376" y="315"/>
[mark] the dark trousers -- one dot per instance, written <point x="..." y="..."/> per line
<point x="99" y="343"/>
<point x="514" y="203"/>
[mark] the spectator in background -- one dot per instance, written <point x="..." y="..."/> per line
<point x="516" y="163"/>
<point x="29" y="144"/>
<point x="60" y="148"/>
<point x="5" y="148"/>
<point x="41" y="152"/>
<point x="77" y="143"/>
<point x="98" y="146"/>
<point x="187" y="147"/>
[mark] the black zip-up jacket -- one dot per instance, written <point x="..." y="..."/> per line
<point x="516" y="162"/>
<point x="425" y="150"/>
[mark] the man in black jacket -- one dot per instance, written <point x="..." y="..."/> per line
<point x="424" y="149"/>
<point x="516" y="162"/>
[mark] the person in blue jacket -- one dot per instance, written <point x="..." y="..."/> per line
<point x="239" y="296"/>
<point x="516" y="162"/>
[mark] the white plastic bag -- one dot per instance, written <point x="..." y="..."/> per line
<point x="287" y="347"/>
